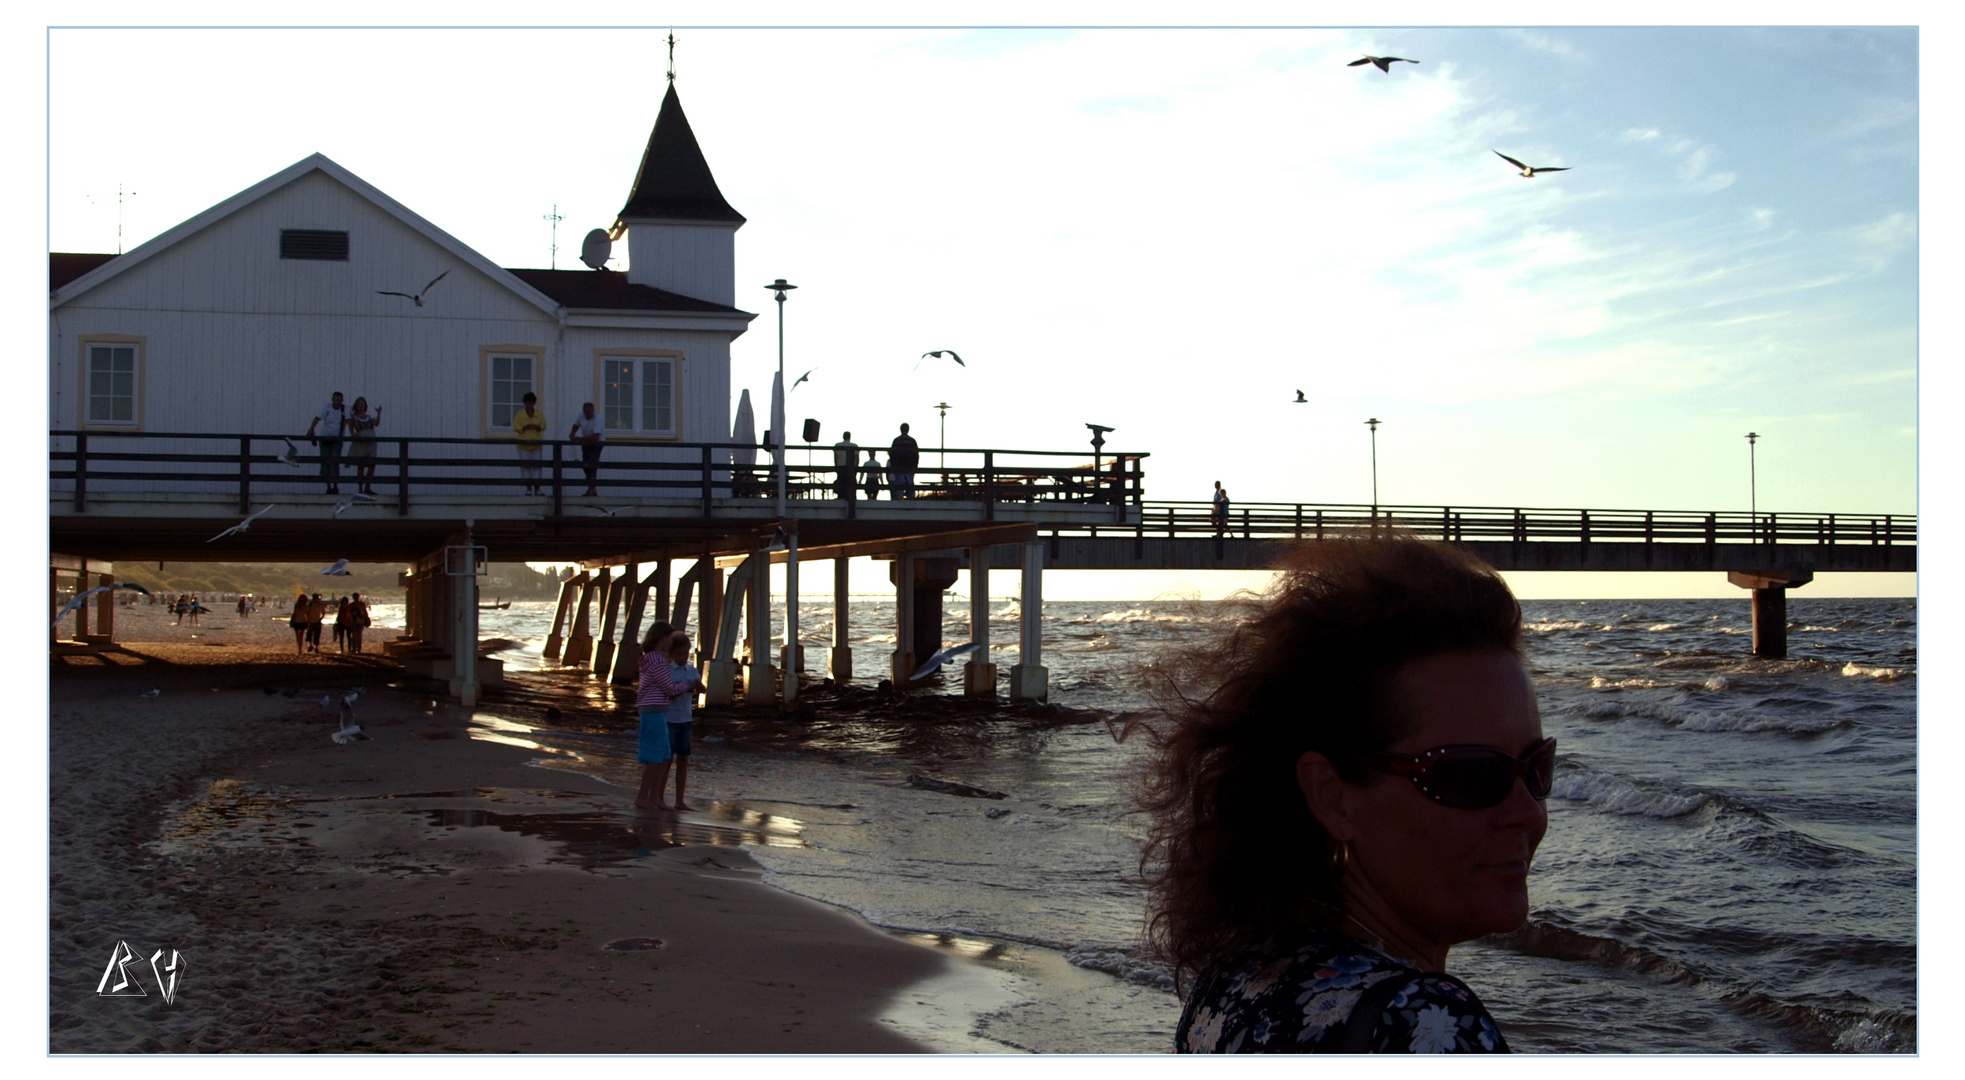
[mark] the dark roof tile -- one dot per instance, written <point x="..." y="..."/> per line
<point x="66" y="266"/>
<point x="610" y="290"/>
<point x="674" y="181"/>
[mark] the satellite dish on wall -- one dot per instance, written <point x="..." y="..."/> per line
<point x="595" y="249"/>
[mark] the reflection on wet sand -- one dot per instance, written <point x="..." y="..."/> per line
<point x="597" y="837"/>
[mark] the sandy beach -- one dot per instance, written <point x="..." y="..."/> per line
<point x="347" y="898"/>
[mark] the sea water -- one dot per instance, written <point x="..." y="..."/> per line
<point x="1730" y="862"/>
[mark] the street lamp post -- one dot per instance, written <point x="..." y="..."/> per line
<point x="941" y="451"/>
<point x="1373" y="425"/>
<point x="1753" y="495"/>
<point x="781" y="287"/>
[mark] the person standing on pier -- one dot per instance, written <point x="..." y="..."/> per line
<point x="334" y="416"/>
<point x="529" y="425"/>
<point x="1218" y="516"/>
<point x="587" y="431"/>
<point x="845" y="455"/>
<point x="902" y="458"/>
<point x="361" y="443"/>
<point x="871" y="474"/>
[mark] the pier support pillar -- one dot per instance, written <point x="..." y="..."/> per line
<point x="709" y="606"/>
<point x="627" y="656"/>
<point x="461" y="571"/>
<point x="927" y="580"/>
<point x="611" y="597"/>
<point x="580" y="640"/>
<point x="792" y="660"/>
<point x="902" y="663"/>
<point x="82" y="610"/>
<point x="1770" y="607"/>
<point x="1029" y="681"/>
<point x="759" y="688"/>
<point x="841" y="663"/>
<point x="979" y="675"/>
<point x="557" y="638"/>
<point x="106" y="610"/>
<point x="721" y="674"/>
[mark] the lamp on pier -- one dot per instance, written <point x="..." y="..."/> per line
<point x="780" y="287"/>
<point x="1753" y="495"/>
<point x="1373" y="425"/>
<point x="941" y="451"/>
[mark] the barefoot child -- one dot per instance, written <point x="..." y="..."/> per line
<point x="681" y="716"/>
<point x="652" y="701"/>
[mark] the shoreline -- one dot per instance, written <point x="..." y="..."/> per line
<point x="340" y="898"/>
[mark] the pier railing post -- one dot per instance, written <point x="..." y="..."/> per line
<point x="559" y="488"/>
<point x="245" y="474"/>
<point x="989" y="485"/>
<point x="81" y="471"/>
<point x="1299" y="521"/>
<point x="708" y="494"/>
<point x="402" y="477"/>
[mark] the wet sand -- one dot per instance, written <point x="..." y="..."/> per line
<point x="338" y="898"/>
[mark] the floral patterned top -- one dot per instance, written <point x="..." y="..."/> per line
<point x="1293" y="992"/>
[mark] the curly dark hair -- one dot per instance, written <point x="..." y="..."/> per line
<point x="1306" y="665"/>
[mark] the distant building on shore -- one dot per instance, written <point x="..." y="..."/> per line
<point x="246" y="317"/>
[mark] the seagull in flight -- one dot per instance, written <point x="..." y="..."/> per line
<point x="938" y="354"/>
<point x="605" y="512"/>
<point x="418" y="297"/>
<point x="339" y="569"/>
<point x="364" y="497"/>
<point x="1531" y="170"/>
<point x="941" y="658"/>
<point x="81" y="598"/>
<point x="1300" y="399"/>
<point x="241" y="526"/>
<point x="342" y="507"/>
<point x="349" y="731"/>
<point x="1383" y="63"/>
<point x="291" y="457"/>
<point x="800" y="379"/>
<point x="151" y="693"/>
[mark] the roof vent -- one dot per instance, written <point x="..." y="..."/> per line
<point x="314" y="244"/>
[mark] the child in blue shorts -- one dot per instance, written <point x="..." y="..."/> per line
<point x="681" y="717"/>
<point x="652" y="702"/>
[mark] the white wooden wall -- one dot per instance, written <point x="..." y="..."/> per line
<point x="694" y="260"/>
<point x="237" y="339"/>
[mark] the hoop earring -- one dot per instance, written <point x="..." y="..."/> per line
<point x="1340" y="858"/>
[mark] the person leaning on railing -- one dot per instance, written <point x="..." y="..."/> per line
<point x="1345" y="783"/>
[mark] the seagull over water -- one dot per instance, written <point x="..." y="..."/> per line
<point x="418" y="296"/>
<point x="938" y="354"/>
<point x="941" y="658"/>
<point x="1531" y="170"/>
<point x="81" y="598"/>
<point x="1383" y="63"/>
<point x="339" y="569"/>
<point x="243" y="525"/>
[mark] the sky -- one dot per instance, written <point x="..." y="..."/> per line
<point x="1171" y="231"/>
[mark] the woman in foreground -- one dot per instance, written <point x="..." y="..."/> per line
<point x="1350" y="782"/>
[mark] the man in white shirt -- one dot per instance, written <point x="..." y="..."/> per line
<point x="845" y="459"/>
<point x="334" y="415"/>
<point x="589" y="434"/>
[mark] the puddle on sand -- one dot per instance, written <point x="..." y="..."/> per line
<point x="602" y="837"/>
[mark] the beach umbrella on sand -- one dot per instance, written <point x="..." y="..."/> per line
<point x="744" y="433"/>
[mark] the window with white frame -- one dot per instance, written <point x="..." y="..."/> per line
<point x="111" y="383"/>
<point x="512" y="376"/>
<point x="638" y="395"/>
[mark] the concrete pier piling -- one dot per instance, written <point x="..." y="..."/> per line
<point x="1770" y="607"/>
<point x="580" y="640"/>
<point x="1029" y="681"/>
<point x="556" y="640"/>
<point x="979" y="675"/>
<point x="759" y="680"/>
<point x="611" y="596"/>
<point x="841" y="662"/>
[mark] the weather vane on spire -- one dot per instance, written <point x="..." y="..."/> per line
<point x="672" y="54"/>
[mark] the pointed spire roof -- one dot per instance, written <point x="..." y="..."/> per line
<point x="674" y="181"/>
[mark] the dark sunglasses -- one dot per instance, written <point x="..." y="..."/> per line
<point x="1470" y="776"/>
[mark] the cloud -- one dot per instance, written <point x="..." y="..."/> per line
<point x="1544" y="43"/>
<point x="1893" y="233"/>
<point x="1640" y="135"/>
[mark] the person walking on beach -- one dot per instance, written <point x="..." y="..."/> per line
<point x="681" y="715"/>
<point x="529" y="425"/>
<point x="652" y="699"/>
<point x="587" y="431"/>
<point x="358" y="621"/>
<point x="332" y="418"/>
<point x="1218" y="514"/>
<point x="871" y="474"/>
<point x="341" y="624"/>
<point x="361" y="443"/>
<point x="316" y="614"/>
<point x="902" y="457"/>
<point x="845" y="455"/>
<point x="298" y="621"/>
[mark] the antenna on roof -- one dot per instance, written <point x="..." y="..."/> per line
<point x="672" y="54"/>
<point x="121" y="194"/>
<point x="555" y="217"/>
<point x="595" y="249"/>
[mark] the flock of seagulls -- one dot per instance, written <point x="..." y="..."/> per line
<point x="1384" y="63"/>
